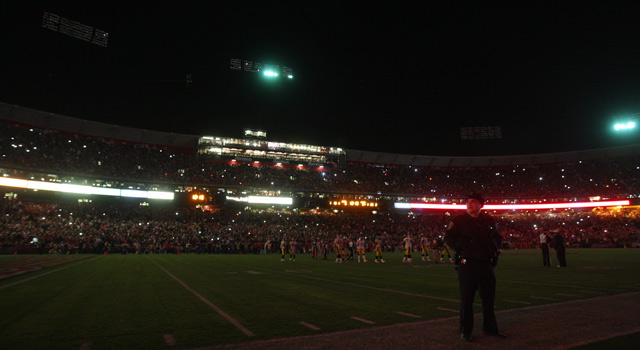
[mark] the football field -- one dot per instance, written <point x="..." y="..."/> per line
<point x="207" y="301"/>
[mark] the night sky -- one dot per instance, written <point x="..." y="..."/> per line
<point x="399" y="77"/>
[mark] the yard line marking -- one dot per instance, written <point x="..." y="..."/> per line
<point x="169" y="339"/>
<point x="362" y="320"/>
<point x="296" y="271"/>
<point x="255" y="272"/>
<point x="309" y="325"/>
<point x="517" y="302"/>
<point x="374" y="288"/>
<point x="217" y="309"/>
<point x="586" y="291"/>
<point x="406" y="314"/>
<point x="85" y="346"/>
<point x="445" y="309"/>
<point x="558" y="285"/>
<point x="568" y="295"/>
<point x="544" y="298"/>
<point x="43" y="274"/>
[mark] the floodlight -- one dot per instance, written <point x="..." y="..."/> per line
<point x="624" y="126"/>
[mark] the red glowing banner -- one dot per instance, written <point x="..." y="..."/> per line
<point x="544" y="206"/>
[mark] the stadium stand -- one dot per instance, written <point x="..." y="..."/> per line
<point x="36" y="144"/>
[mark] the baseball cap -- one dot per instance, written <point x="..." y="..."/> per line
<point x="475" y="195"/>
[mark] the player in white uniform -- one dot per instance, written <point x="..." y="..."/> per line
<point x="379" y="250"/>
<point x="408" y="246"/>
<point x="360" y="243"/>
<point x="424" y="246"/>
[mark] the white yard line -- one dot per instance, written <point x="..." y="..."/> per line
<point x="517" y="302"/>
<point x="362" y="320"/>
<point x="204" y="300"/>
<point x="309" y="325"/>
<point x="545" y="298"/>
<point x="445" y="309"/>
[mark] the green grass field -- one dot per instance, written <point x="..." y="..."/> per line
<point x="135" y="302"/>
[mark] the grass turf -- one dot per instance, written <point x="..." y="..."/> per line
<point x="132" y="301"/>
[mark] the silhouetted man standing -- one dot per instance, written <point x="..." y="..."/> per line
<point x="476" y="240"/>
<point x="558" y="245"/>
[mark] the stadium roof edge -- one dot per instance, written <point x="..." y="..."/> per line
<point x="78" y="126"/>
<point x="357" y="156"/>
<point x="47" y="120"/>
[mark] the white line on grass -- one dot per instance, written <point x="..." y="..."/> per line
<point x="217" y="309"/>
<point x="545" y="298"/>
<point x="43" y="274"/>
<point x="406" y="314"/>
<point x="309" y="325"/>
<point x="445" y="309"/>
<point x="517" y="302"/>
<point x="569" y="295"/>
<point x="362" y="320"/>
<point x="373" y="288"/>
<point x="255" y="272"/>
<point x="437" y="321"/>
<point x="586" y="291"/>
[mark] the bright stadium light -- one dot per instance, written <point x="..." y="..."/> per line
<point x="270" y="73"/>
<point x="82" y="189"/>
<point x="626" y="123"/>
<point x="564" y="205"/>
<point x="624" y="126"/>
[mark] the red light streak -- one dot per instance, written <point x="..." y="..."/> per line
<point x="544" y="206"/>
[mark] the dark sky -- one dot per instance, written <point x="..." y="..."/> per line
<point x="399" y="77"/>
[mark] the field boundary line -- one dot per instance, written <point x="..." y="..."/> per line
<point x="45" y="273"/>
<point x="204" y="300"/>
<point x="500" y="280"/>
<point x="361" y="334"/>
<point x="591" y="341"/>
<point x="360" y="285"/>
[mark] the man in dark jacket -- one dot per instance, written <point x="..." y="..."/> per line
<point x="559" y="246"/>
<point x="475" y="238"/>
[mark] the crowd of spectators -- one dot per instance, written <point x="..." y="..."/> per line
<point x="51" y="151"/>
<point x="48" y="227"/>
<point x="62" y="228"/>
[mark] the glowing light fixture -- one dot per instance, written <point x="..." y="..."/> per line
<point x="544" y="206"/>
<point x="80" y="189"/>
<point x="624" y="126"/>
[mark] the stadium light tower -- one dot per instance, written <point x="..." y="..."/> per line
<point x="626" y="124"/>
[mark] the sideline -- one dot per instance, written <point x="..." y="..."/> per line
<point x="551" y="326"/>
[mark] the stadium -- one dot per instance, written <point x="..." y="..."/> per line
<point x="79" y="195"/>
<point x="136" y="215"/>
